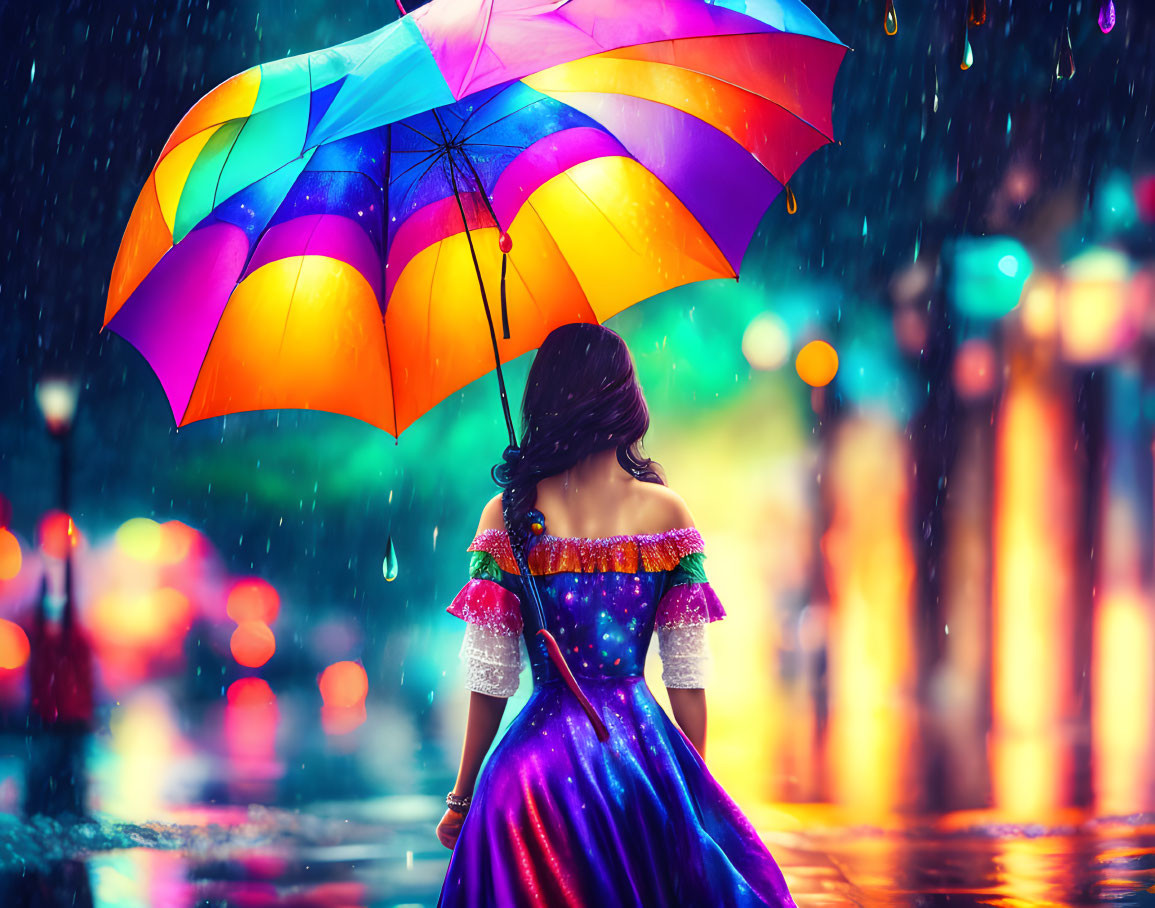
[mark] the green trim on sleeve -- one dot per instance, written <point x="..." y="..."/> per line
<point x="483" y="566"/>
<point x="690" y="569"/>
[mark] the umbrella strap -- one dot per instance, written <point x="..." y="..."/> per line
<point x="504" y="305"/>
<point x="563" y="669"/>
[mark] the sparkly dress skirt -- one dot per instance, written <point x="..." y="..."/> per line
<point x="561" y="819"/>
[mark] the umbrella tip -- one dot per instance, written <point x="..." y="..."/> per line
<point x="400" y="8"/>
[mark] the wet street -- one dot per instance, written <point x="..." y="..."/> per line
<point x="382" y="853"/>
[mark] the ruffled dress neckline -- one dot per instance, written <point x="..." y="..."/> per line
<point x="629" y="553"/>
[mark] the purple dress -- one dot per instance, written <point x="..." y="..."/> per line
<point x="561" y="819"/>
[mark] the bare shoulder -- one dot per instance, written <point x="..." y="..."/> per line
<point x="660" y="508"/>
<point x="491" y="516"/>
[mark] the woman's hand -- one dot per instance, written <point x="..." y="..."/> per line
<point x="449" y="828"/>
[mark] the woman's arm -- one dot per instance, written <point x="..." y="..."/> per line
<point x="485" y="714"/>
<point x="689" y="706"/>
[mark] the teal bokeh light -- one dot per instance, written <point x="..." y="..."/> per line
<point x="987" y="276"/>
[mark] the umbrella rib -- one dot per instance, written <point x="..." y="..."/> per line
<point x="481" y="189"/>
<point x="438" y="156"/>
<point x="498" y="145"/>
<point x="541" y="97"/>
<point x="296" y="280"/>
<point x="414" y="166"/>
<point x="563" y="260"/>
<point x="480" y="108"/>
<point x="384" y="260"/>
<point x="413" y="128"/>
<point x="484" y="299"/>
<point x="605" y="217"/>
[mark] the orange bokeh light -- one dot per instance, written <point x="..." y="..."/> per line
<point x="344" y="685"/>
<point x="57" y="533"/>
<point x="817" y="363"/>
<point x="250" y="692"/>
<point x="253" y="644"/>
<point x="13" y="645"/>
<point x="253" y="599"/>
<point x="11" y="557"/>
<point x="176" y="541"/>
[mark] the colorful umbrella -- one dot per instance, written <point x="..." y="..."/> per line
<point x="307" y="237"/>
<point x="314" y="231"/>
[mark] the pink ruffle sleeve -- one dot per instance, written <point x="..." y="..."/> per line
<point x="688" y="604"/>
<point x="489" y="605"/>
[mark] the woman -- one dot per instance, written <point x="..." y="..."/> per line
<point x="559" y="817"/>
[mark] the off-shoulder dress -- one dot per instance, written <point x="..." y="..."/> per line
<point x="558" y="817"/>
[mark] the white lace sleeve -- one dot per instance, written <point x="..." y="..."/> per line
<point x="492" y="661"/>
<point x="685" y="656"/>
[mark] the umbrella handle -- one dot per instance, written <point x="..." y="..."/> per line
<point x="571" y="682"/>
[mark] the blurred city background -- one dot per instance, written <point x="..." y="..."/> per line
<point x="936" y="682"/>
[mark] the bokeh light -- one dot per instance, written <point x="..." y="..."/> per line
<point x="253" y="644"/>
<point x="766" y="342"/>
<point x="1145" y="197"/>
<point x="14" y="647"/>
<point x="139" y="538"/>
<point x="177" y="540"/>
<point x="817" y="363"/>
<point x="130" y="619"/>
<point x="250" y="692"/>
<point x="253" y="599"/>
<point x="11" y="558"/>
<point x="1096" y="321"/>
<point x="57" y="533"/>
<point x="344" y="685"/>
<point x="974" y="367"/>
<point x="988" y="275"/>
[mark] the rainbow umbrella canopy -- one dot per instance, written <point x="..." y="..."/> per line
<point x="315" y="229"/>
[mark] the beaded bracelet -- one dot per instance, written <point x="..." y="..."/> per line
<point x="458" y="803"/>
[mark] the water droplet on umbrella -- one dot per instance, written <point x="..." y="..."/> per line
<point x="977" y="12"/>
<point x="1106" y="15"/>
<point x="389" y="565"/>
<point x="1065" y="67"/>
<point x="968" y="57"/>
<point x="890" y="19"/>
<point x="791" y="202"/>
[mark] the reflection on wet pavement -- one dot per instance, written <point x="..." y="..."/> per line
<point x="382" y="853"/>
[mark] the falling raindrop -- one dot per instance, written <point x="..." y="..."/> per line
<point x="32" y="76"/>
<point x="890" y="19"/>
<point x="1106" y="15"/>
<point x="936" y="88"/>
<point x="1065" y="66"/>
<point x="791" y="201"/>
<point x="968" y="57"/>
<point x="389" y="565"/>
<point x="977" y="12"/>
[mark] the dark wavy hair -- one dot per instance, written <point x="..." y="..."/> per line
<point x="582" y="396"/>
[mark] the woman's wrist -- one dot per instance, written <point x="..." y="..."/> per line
<point x="458" y="803"/>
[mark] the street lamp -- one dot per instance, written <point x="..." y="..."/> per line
<point x="56" y="396"/>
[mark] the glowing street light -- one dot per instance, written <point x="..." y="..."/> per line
<point x="56" y="396"/>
